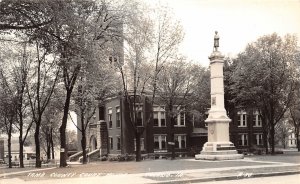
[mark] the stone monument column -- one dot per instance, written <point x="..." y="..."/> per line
<point x="218" y="146"/>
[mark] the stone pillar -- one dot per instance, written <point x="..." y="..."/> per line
<point x="218" y="146"/>
<point x="103" y="138"/>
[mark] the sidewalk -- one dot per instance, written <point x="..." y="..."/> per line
<point x="163" y="171"/>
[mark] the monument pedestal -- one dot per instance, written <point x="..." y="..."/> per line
<point x="218" y="146"/>
<point x="218" y="151"/>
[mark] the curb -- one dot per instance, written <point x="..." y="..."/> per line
<point x="224" y="178"/>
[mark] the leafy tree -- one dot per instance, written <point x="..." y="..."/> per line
<point x="282" y="131"/>
<point x="264" y="79"/>
<point x="50" y="124"/>
<point x="201" y="94"/>
<point x="294" y="112"/>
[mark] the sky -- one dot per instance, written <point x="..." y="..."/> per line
<point x="238" y="22"/>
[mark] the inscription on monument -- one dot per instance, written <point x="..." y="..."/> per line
<point x="213" y="101"/>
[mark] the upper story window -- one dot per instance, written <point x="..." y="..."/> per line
<point x="159" y="117"/>
<point x="109" y="117"/>
<point x="180" y="120"/>
<point x="242" y="119"/>
<point x="257" y="120"/>
<point x="113" y="59"/>
<point x="118" y="117"/>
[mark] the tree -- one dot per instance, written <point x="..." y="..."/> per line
<point x="96" y="83"/>
<point x="294" y="112"/>
<point x="175" y="84"/>
<point x="17" y="67"/>
<point x="8" y="110"/>
<point x="50" y="125"/>
<point x="282" y="131"/>
<point x="45" y="74"/>
<point x="201" y="94"/>
<point x="20" y="75"/>
<point x="264" y="79"/>
<point x="147" y="41"/>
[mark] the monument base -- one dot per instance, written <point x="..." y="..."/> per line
<point x="218" y="151"/>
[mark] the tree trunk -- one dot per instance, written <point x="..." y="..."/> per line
<point x="62" y="130"/>
<point x="297" y="139"/>
<point x="83" y="146"/>
<point x="38" y="163"/>
<point x="272" y="136"/>
<point x="21" y="149"/>
<point x="138" y="157"/>
<point x="83" y="140"/>
<point x="51" y="142"/>
<point x="83" y="134"/>
<point x="172" y="139"/>
<point x="9" y="149"/>
<point x="48" y="146"/>
<point x="265" y="134"/>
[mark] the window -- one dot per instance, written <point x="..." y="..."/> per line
<point x="139" y="115"/>
<point x="113" y="59"/>
<point x="155" y="119"/>
<point x="257" y="120"/>
<point x="258" y="139"/>
<point x="142" y="144"/>
<point x="118" y="143"/>
<point x="180" y="120"/>
<point x="180" y="141"/>
<point x="118" y="119"/>
<point x="159" y="119"/>
<point x="243" y="139"/>
<point x="160" y="142"/>
<point x="111" y="143"/>
<point x="242" y="119"/>
<point x="109" y="118"/>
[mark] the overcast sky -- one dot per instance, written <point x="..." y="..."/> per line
<point x="237" y="21"/>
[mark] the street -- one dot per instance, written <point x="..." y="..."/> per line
<point x="290" y="179"/>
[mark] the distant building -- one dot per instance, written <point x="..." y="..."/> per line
<point x="28" y="150"/>
<point x="292" y="141"/>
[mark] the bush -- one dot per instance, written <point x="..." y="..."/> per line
<point x="121" y="158"/>
<point x="103" y="158"/>
<point x="125" y="157"/>
<point x="113" y="158"/>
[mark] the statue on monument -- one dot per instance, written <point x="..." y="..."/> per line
<point x="216" y="41"/>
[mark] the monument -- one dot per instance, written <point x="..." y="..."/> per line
<point x="218" y="146"/>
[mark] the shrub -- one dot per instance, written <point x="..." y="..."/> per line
<point x="103" y="158"/>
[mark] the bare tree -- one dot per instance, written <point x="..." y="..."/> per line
<point x="8" y="110"/>
<point x="174" y="90"/>
<point x="40" y="89"/>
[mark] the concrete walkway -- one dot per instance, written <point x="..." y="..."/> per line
<point x="213" y="171"/>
